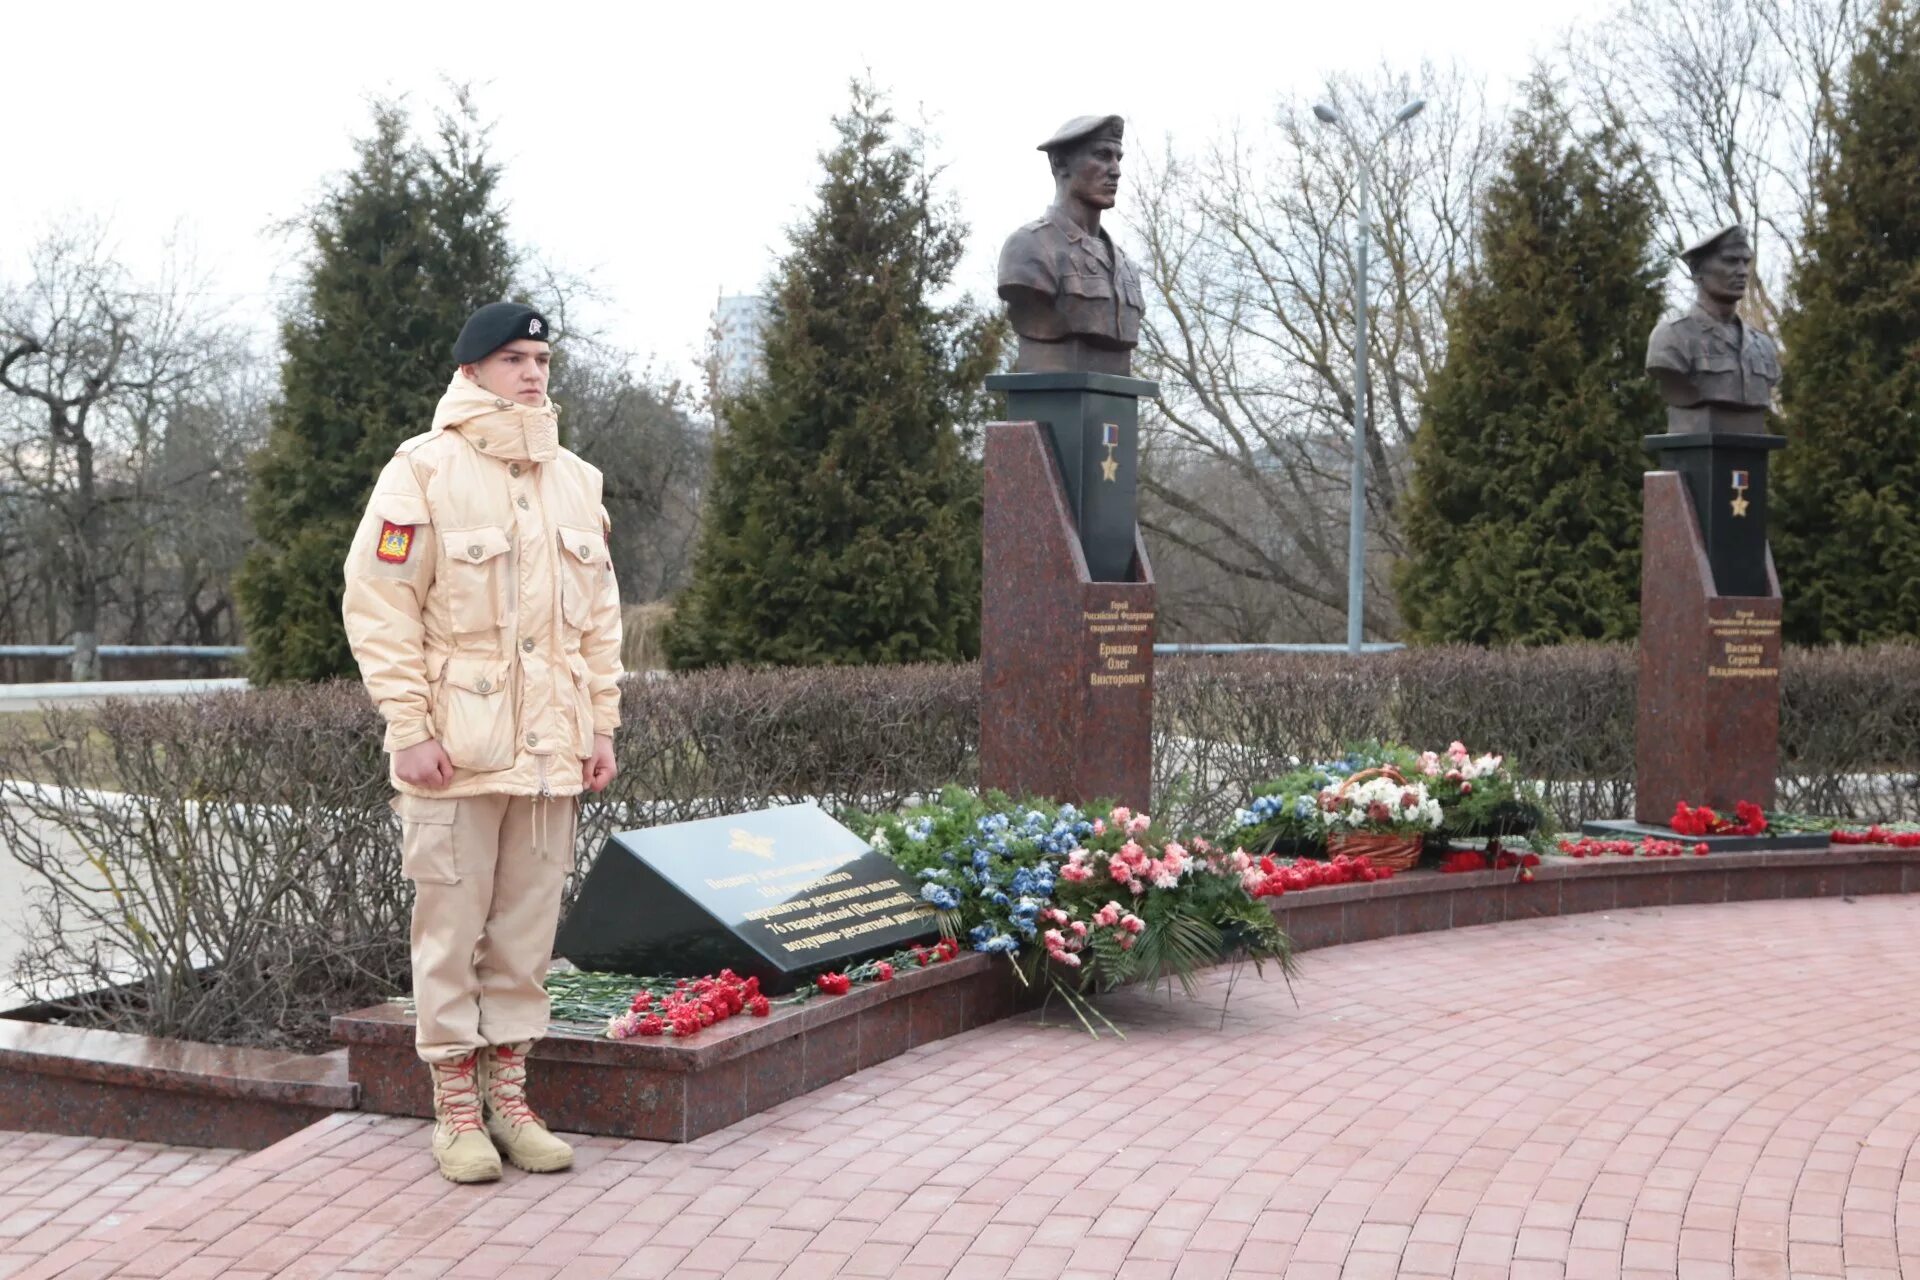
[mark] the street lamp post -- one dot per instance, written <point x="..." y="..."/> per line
<point x="1357" y="516"/>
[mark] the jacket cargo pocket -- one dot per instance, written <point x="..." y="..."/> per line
<point x="473" y="714"/>
<point x="582" y="705"/>
<point x="427" y="854"/>
<point x="583" y="558"/>
<point x="473" y="573"/>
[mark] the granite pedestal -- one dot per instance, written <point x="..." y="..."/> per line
<point x="1066" y="709"/>
<point x="1708" y="726"/>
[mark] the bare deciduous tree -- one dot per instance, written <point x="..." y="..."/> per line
<point x="1250" y="329"/>
<point x="92" y="363"/>
<point x="1731" y="105"/>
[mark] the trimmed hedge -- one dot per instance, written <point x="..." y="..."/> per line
<point x="253" y="860"/>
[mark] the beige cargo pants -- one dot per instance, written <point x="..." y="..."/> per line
<point x="487" y="871"/>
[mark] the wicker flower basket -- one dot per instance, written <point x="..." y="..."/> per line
<point x="1383" y="849"/>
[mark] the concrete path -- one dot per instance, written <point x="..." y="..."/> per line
<point x="1701" y="1092"/>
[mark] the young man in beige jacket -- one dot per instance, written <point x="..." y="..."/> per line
<point x="482" y="609"/>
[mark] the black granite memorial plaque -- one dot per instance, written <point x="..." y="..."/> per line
<point x="778" y="894"/>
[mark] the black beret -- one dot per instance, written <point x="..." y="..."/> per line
<point x="494" y="326"/>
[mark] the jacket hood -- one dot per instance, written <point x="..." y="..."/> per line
<point x="517" y="432"/>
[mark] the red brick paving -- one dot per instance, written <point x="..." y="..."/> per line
<point x="1718" y="1091"/>
<point x="54" y="1190"/>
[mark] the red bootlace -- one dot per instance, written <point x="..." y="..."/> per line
<point x="459" y="1098"/>
<point x="507" y="1091"/>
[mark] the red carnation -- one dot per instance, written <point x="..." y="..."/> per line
<point x="759" y="1007"/>
<point x="883" y="971"/>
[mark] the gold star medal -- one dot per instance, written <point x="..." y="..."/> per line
<point x="1110" y="436"/>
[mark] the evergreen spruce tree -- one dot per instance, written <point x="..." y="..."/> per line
<point x="842" y="523"/>
<point x="1523" y="518"/>
<point x="1846" y="533"/>
<point x="404" y="248"/>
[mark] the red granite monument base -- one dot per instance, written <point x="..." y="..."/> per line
<point x="674" y="1090"/>
<point x="1708" y="730"/>
<point x="1066" y="663"/>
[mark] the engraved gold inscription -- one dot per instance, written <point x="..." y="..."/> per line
<point x="1122" y="636"/>
<point x="1745" y="647"/>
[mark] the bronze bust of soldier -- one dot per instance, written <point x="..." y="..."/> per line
<point x="1716" y="372"/>
<point x="1071" y="295"/>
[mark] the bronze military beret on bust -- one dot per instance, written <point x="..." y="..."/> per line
<point x="1080" y="128"/>
<point x="1732" y="233"/>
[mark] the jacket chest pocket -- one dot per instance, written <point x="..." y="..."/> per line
<point x="473" y="573"/>
<point x="583" y="558"/>
<point x="1087" y="303"/>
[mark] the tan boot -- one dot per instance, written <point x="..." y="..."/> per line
<point x="460" y="1142"/>
<point x="511" y="1123"/>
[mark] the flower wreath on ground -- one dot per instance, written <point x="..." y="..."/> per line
<point x="1477" y="796"/>
<point x="1089" y="900"/>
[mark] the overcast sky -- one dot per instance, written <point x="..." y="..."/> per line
<point x="660" y="150"/>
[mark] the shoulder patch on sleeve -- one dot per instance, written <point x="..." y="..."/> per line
<point x="396" y="542"/>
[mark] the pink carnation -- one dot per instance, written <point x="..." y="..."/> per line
<point x="1133" y="924"/>
<point x="1099" y="826"/>
<point x="1139" y="824"/>
<point x="1108" y="914"/>
<point x="1076" y="872"/>
<point x="1079" y="929"/>
<point x="1119" y="871"/>
<point x="1122" y="816"/>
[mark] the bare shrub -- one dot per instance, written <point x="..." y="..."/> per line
<point x="231" y="864"/>
<point x="232" y="858"/>
<point x="1850" y="732"/>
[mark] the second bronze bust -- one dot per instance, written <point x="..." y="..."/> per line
<point x="1073" y="297"/>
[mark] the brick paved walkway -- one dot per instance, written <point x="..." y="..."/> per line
<point x="1696" y="1091"/>
<point x="55" y="1189"/>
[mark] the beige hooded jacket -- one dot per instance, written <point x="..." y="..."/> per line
<point x="480" y="599"/>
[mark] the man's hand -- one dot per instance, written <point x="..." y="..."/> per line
<point x="424" y="764"/>
<point x="597" y="771"/>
